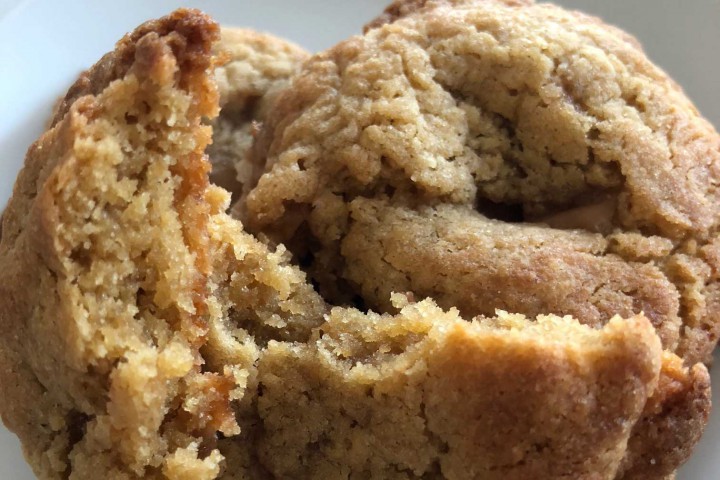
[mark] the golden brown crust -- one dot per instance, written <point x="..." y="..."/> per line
<point x="402" y="8"/>
<point x="464" y="260"/>
<point x="188" y="35"/>
<point x="457" y="256"/>
<point x="671" y="424"/>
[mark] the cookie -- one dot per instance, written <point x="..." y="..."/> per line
<point x="148" y="335"/>
<point x="258" y="66"/>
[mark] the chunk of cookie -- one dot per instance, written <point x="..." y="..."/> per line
<point x="104" y="256"/>
<point x="426" y="394"/>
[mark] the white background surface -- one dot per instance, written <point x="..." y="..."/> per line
<point x="44" y="44"/>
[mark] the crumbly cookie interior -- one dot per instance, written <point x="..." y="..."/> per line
<point x="133" y="257"/>
<point x="107" y="251"/>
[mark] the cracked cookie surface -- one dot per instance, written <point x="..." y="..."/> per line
<point x="525" y="113"/>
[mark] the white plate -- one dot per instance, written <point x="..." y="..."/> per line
<point x="44" y="44"/>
